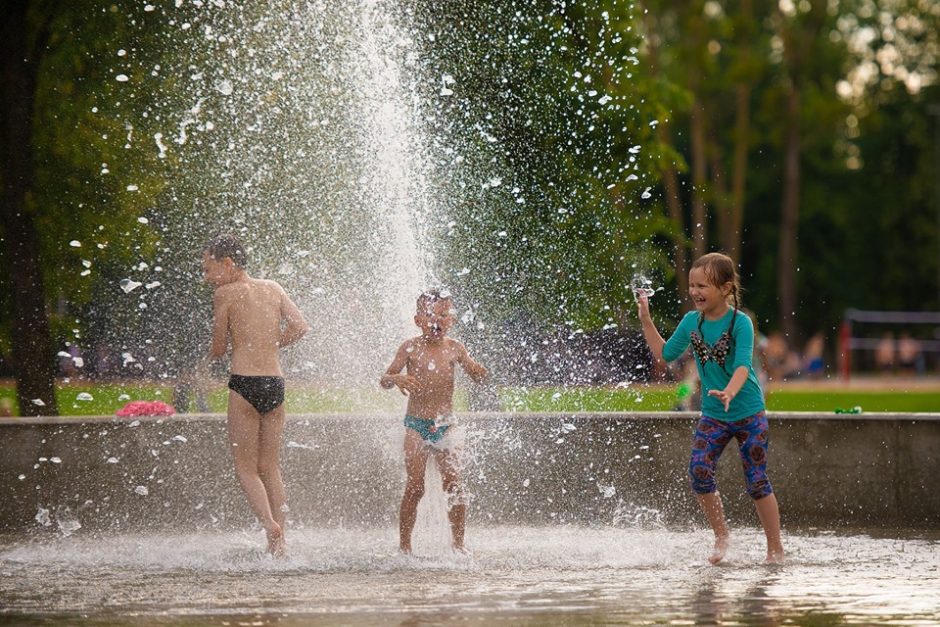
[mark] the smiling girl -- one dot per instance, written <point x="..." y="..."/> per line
<point x="722" y="340"/>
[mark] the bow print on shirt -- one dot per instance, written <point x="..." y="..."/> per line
<point x="717" y="353"/>
<point x="719" y="350"/>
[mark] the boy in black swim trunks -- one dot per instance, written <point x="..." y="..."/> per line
<point x="258" y="318"/>
<point x="428" y="381"/>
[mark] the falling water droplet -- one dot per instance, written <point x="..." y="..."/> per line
<point x="129" y="285"/>
<point x="42" y="517"/>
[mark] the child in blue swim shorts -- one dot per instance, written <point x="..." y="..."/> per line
<point x="429" y="362"/>
<point x="722" y="341"/>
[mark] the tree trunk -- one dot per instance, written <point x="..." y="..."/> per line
<point x="729" y="207"/>
<point x="720" y="200"/>
<point x="742" y="127"/>
<point x="674" y="207"/>
<point x="798" y="34"/>
<point x="789" y="215"/>
<point x="699" y="173"/>
<point x="735" y="223"/>
<point x="31" y="340"/>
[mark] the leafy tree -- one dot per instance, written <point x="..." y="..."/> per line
<point x="566" y="146"/>
<point x="799" y="31"/>
<point x="24" y="36"/>
<point x="72" y="199"/>
<point x="716" y="53"/>
<point x="551" y="211"/>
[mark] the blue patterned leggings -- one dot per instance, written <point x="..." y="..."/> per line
<point x="711" y="437"/>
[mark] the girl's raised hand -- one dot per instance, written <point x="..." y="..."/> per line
<point x="643" y="306"/>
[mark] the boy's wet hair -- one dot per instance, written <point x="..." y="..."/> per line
<point x="720" y="269"/>
<point x="428" y="298"/>
<point x="227" y="245"/>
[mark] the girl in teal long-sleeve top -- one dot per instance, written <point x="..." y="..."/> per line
<point x="722" y="340"/>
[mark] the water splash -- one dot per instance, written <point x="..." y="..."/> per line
<point x="365" y="151"/>
<point x="642" y="286"/>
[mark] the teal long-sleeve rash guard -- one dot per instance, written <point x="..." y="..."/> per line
<point x="717" y="368"/>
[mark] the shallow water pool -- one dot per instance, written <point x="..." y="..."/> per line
<point x="516" y="575"/>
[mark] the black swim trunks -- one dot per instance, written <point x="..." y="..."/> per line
<point x="264" y="393"/>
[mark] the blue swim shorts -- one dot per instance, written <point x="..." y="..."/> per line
<point x="428" y="429"/>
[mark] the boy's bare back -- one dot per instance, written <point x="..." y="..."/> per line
<point x="250" y="312"/>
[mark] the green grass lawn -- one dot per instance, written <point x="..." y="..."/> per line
<point x="107" y="398"/>
<point x="663" y="398"/>
<point x="868" y="400"/>
<point x="633" y="398"/>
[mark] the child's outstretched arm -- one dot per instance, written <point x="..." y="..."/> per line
<point x="393" y="375"/>
<point x="476" y="371"/>
<point x="219" y="346"/>
<point x="650" y="333"/>
<point x="296" y="325"/>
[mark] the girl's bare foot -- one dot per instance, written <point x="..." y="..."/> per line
<point x="276" y="545"/>
<point x="721" y="547"/>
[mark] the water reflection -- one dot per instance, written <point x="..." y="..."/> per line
<point x="761" y="605"/>
<point x="722" y="599"/>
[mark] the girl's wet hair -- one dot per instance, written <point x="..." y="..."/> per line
<point x="227" y="245"/>
<point x="720" y="269"/>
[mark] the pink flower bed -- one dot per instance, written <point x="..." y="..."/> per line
<point x="146" y="408"/>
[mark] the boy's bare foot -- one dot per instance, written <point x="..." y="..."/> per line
<point x="774" y="556"/>
<point x="405" y="549"/>
<point x="276" y="545"/>
<point x="462" y="550"/>
<point x="720" y="548"/>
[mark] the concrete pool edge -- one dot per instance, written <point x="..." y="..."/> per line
<point x="532" y="468"/>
